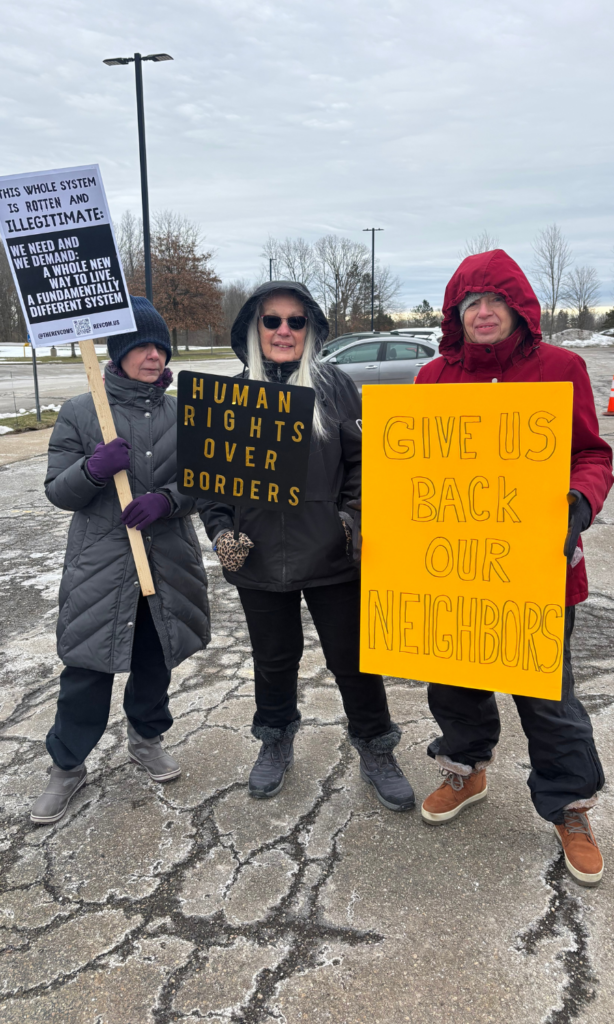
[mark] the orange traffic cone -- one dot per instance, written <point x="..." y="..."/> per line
<point x="610" y="409"/>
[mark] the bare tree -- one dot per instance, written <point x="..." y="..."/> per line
<point x="12" y="324"/>
<point x="552" y="257"/>
<point x="338" y="272"/>
<point x="294" y="259"/>
<point x="341" y="267"/>
<point x="581" y="289"/>
<point x="484" y="242"/>
<point x="387" y="288"/>
<point x="385" y="296"/>
<point x="129" y="234"/>
<point x="297" y="259"/>
<point x="234" y="295"/>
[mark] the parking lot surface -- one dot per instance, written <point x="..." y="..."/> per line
<point x="151" y="904"/>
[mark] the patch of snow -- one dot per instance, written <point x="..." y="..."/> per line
<point x="6" y="430"/>
<point x="24" y="412"/>
<point x="8" y="351"/>
<point x="601" y="340"/>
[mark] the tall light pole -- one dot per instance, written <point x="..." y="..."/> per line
<point x="272" y="260"/>
<point x="372" y="230"/>
<point x="140" y="113"/>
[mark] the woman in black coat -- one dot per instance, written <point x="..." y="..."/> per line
<point x="277" y="335"/>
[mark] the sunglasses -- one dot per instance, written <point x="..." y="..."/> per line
<point x="295" y="323"/>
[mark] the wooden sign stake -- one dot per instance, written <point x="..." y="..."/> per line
<point x="109" y="433"/>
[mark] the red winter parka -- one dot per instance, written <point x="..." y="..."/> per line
<point x="524" y="357"/>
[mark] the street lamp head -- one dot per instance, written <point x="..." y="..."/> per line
<point x="130" y="60"/>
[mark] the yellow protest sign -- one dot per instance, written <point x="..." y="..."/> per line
<point x="464" y="519"/>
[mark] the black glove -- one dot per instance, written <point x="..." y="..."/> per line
<point x="356" y="507"/>
<point x="580" y="516"/>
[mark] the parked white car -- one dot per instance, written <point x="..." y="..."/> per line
<point x="433" y="334"/>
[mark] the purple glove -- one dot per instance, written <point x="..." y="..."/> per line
<point x="109" y="459"/>
<point x="144" y="511"/>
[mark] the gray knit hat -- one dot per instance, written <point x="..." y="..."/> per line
<point x="471" y="297"/>
<point x="464" y="305"/>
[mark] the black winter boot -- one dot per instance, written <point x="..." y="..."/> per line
<point x="379" y="767"/>
<point x="276" y="756"/>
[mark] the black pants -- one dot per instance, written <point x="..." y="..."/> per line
<point x="565" y="765"/>
<point x="85" y="698"/>
<point x="276" y="633"/>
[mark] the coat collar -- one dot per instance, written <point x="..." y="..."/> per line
<point x="499" y="357"/>
<point x="123" y="391"/>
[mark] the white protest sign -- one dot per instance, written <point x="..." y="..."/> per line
<point x="59" y="240"/>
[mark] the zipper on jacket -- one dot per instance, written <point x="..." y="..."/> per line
<point x="283" y="548"/>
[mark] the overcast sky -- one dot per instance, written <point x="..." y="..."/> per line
<point x="432" y="120"/>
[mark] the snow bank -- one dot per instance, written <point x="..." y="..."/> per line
<point x="573" y="338"/>
<point x="601" y="340"/>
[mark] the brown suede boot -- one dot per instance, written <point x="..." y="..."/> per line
<point x="455" y="793"/>
<point x="582" y="855"/>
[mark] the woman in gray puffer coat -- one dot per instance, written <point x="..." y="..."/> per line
<point x="105" y="624"/>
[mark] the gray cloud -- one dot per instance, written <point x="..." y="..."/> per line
<point x="432" y="121"/>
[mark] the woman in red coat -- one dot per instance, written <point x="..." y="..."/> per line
<point x="491" y="333"/>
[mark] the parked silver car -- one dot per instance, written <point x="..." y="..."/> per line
<point x="334" y="344"/>
<point x="387" y="359"/>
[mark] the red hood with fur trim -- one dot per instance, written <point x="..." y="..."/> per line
<point x="524" y="357"/>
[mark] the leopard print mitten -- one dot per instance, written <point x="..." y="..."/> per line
<point x="348" y="535"/>
<point x="232" y="553"/>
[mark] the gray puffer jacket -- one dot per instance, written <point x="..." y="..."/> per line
<point x="99" y="591"/>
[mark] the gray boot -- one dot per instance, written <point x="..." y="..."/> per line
<point x="53" y="803"/>
<point x="276" y="756"/>
<point x="379" y="767"/>
<point x="150" y="754"/>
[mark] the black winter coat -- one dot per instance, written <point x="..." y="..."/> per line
<point x="307" y="547"/>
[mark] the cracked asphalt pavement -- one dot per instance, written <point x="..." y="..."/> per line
<point x="150" y="904"/>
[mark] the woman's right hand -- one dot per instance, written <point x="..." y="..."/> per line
<point x="109" y="459"/>
<point x="232" y="553"/>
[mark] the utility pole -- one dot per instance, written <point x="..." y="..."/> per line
<point x="336" y="305"/>
<point x="272" y="260"/>
<point x="140" y="114"/>
<point x="372" y="230"/>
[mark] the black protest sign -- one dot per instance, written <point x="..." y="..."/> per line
<point x="59" y="241"/>
<point x="243" y="442"/>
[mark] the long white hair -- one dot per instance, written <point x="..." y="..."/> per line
<point x="308" y="375"/>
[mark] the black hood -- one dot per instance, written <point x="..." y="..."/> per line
<point x="238" y="335"/>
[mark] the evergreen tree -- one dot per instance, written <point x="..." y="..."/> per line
<point x="608" y="321"/>
<point x="423" y="315"/>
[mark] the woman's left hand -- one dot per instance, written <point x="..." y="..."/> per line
<point x="144" y="510"/>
